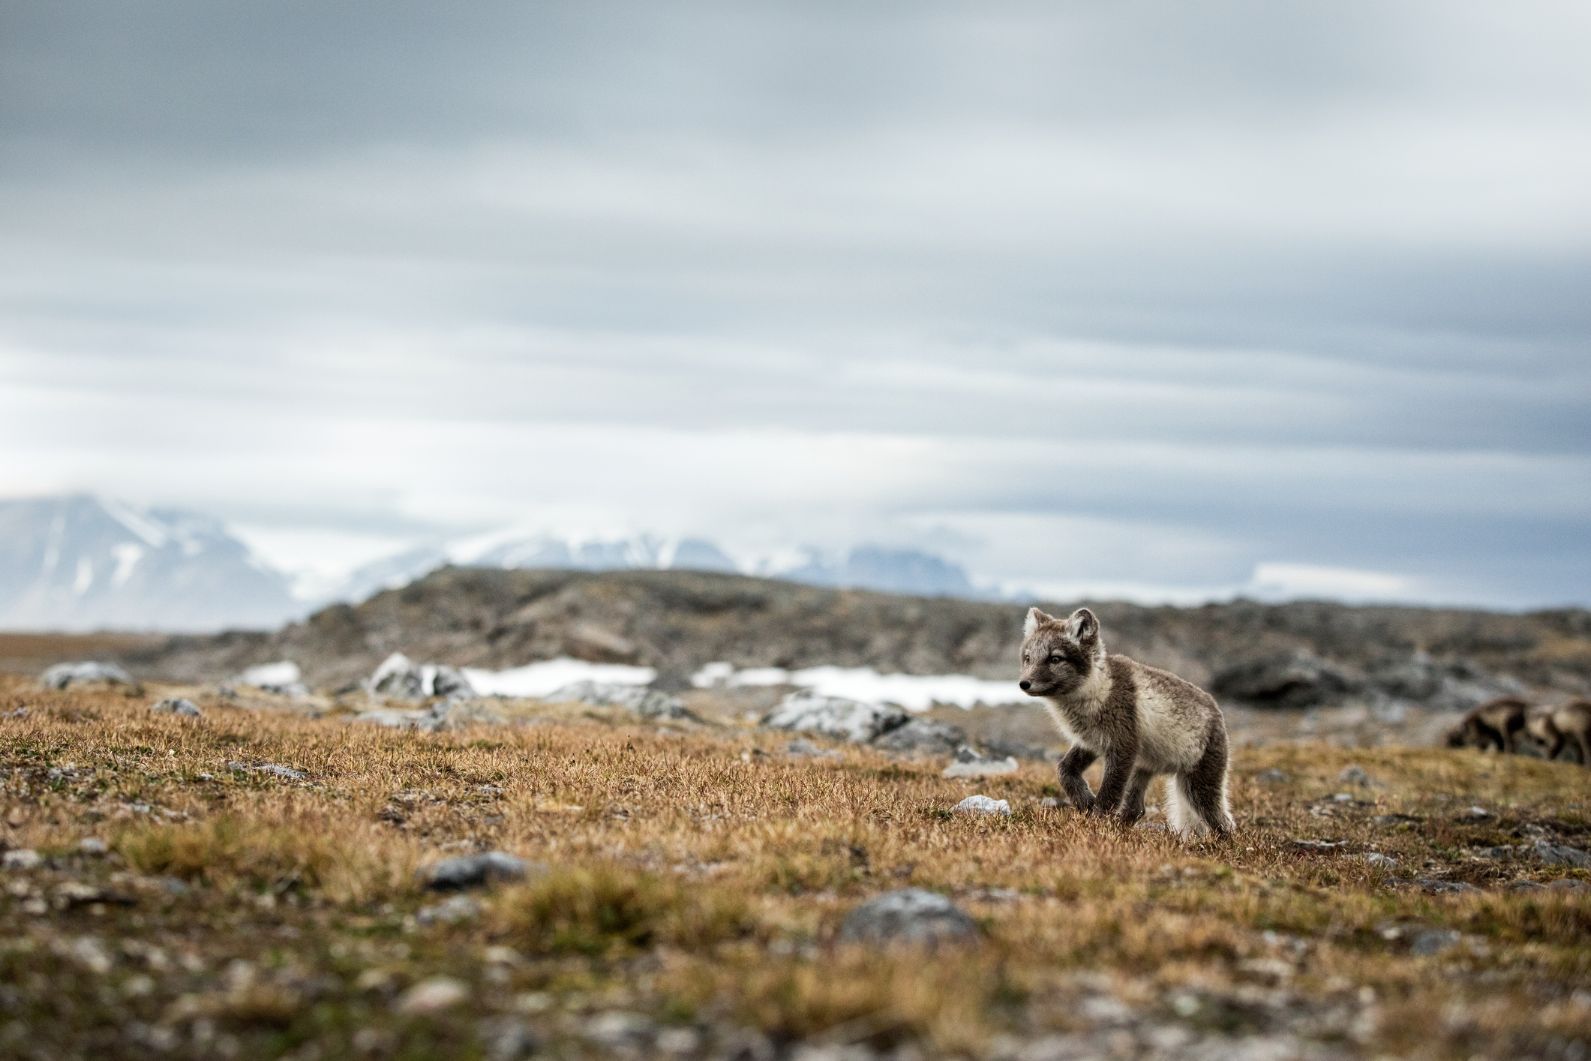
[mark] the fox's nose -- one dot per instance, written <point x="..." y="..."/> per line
<point x="1024" y="685"/>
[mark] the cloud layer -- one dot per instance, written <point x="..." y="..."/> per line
<point x="1139" y="299"/>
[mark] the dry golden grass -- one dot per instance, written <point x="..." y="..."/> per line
<point x="699" y="878"/>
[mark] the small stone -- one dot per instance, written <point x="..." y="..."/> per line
<point x="1561" y="855"/>
<point x="805" y="749"/>
<point x="1050" y="803"/>
<point x="473" y="871"/>
<point x="1319" y="845"/>
<point x="1436" y="886"/>
<point x="454" y="910"/>
<point x="1432" y="941"/>
<point x="22" y="858"/>
<point x="911" y="916"/>
<point x="983" y="805"/>
<point x="433" y="996"/>
<point x="1273" y="776"/>
<point x="1380" y="861"/>
<point x="1478" y="813"/>
<point x="92" y="845"/>
<point x="176" y="705"/>
<point x="969" y="762"/>
<point x="286" y="773"/>
<point x="1355" y="775"/>
<point x="618" y="1029"/>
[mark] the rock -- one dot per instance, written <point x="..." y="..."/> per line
<point x="392" y="719"/>
<point x="86" y="672"/>
<point x="832" y="716"/>
<point x="454" y="910"/>
<point x="1380" y="861"/>
<point x="177" y="706"/>
<point x="1477" y="814"/>
<point x="618" y="1031"/>
<point x="433" y="995"/>
<point x="1436" y="886"/>
<point x="648" y="703"/>
<point x="1432" y="941"/>
<point x="457" y="712"/>
<point x="282" y="678"/>
<point x="450" y="682"/>
<point x="286" y="773"/>
<point x="1050" y="803"/>
<point x="1561" y="855"/>
<point x="1319" y="845"/>
<point x="923" y="736"/>
<point x="93" y="845"/>
<point x="22" y="858"/>
<point x="1289" y="679"/>
<point x="397" y="678"/>
<point x="805" y="749"/>
<point x="969" y="762"/>
<point x="1272" y="776"/>
<point x="911" y="916"/>
<point x="473" y="871"/>
<point x="1355" y="775"/>
<point x="983" y="805"/>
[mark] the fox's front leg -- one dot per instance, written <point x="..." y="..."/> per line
<point x="1118" y="772"/>
<point x="1071" y="768"/>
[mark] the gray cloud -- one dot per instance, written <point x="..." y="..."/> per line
<point x="1183" y="291"/>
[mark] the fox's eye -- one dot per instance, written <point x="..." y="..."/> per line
<point x="1056" y="660"/>
<point x="1026" y="658"/>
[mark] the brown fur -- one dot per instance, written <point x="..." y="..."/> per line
<point x="1496" y="723"/>
<point x="1568" y="725"/>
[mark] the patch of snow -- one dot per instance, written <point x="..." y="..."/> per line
<point x="281" y="673"/>
<point x="127" y="555"/>
<point x="548" y="676"/>
<point x="85" y="576"/>
<point x="914" y="692"/>
<point x="148" y="529"/>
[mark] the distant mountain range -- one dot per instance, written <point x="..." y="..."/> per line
<point x="81" y="562"/>
<point x="894" y="570"/>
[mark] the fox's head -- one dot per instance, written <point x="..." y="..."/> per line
<point x="1058" y="655"/>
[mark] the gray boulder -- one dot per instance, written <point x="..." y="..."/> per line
<point x="398" y="678"/>
<point x="912" y="916"/>
<point x="1561" y="855"/>
<point x="451" y="683"/>
<point x="473" y="871"/>
<point x="922" y="736"/>
<point x="832" y="716"/>
<point x="648" y="703"/>
<point x="86" y="672"/>
<point x="176" y="706"/>
<point x="1288" y="679"/>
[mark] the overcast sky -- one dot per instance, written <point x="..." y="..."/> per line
<point x="1159" y="299"/>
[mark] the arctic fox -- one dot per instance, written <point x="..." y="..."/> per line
<point x="1551" y="728"/>
<point x="1143" y="722"/>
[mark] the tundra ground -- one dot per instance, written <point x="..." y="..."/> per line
<point x="693" y="879"/>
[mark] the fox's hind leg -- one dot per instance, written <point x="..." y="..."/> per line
<point x="1200" y="801"/>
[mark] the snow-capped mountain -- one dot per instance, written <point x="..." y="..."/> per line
<point x="82" y="562"/>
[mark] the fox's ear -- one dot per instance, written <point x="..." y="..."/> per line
<point x="1083" y="626"/>
<point x="1033" y="621"/>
